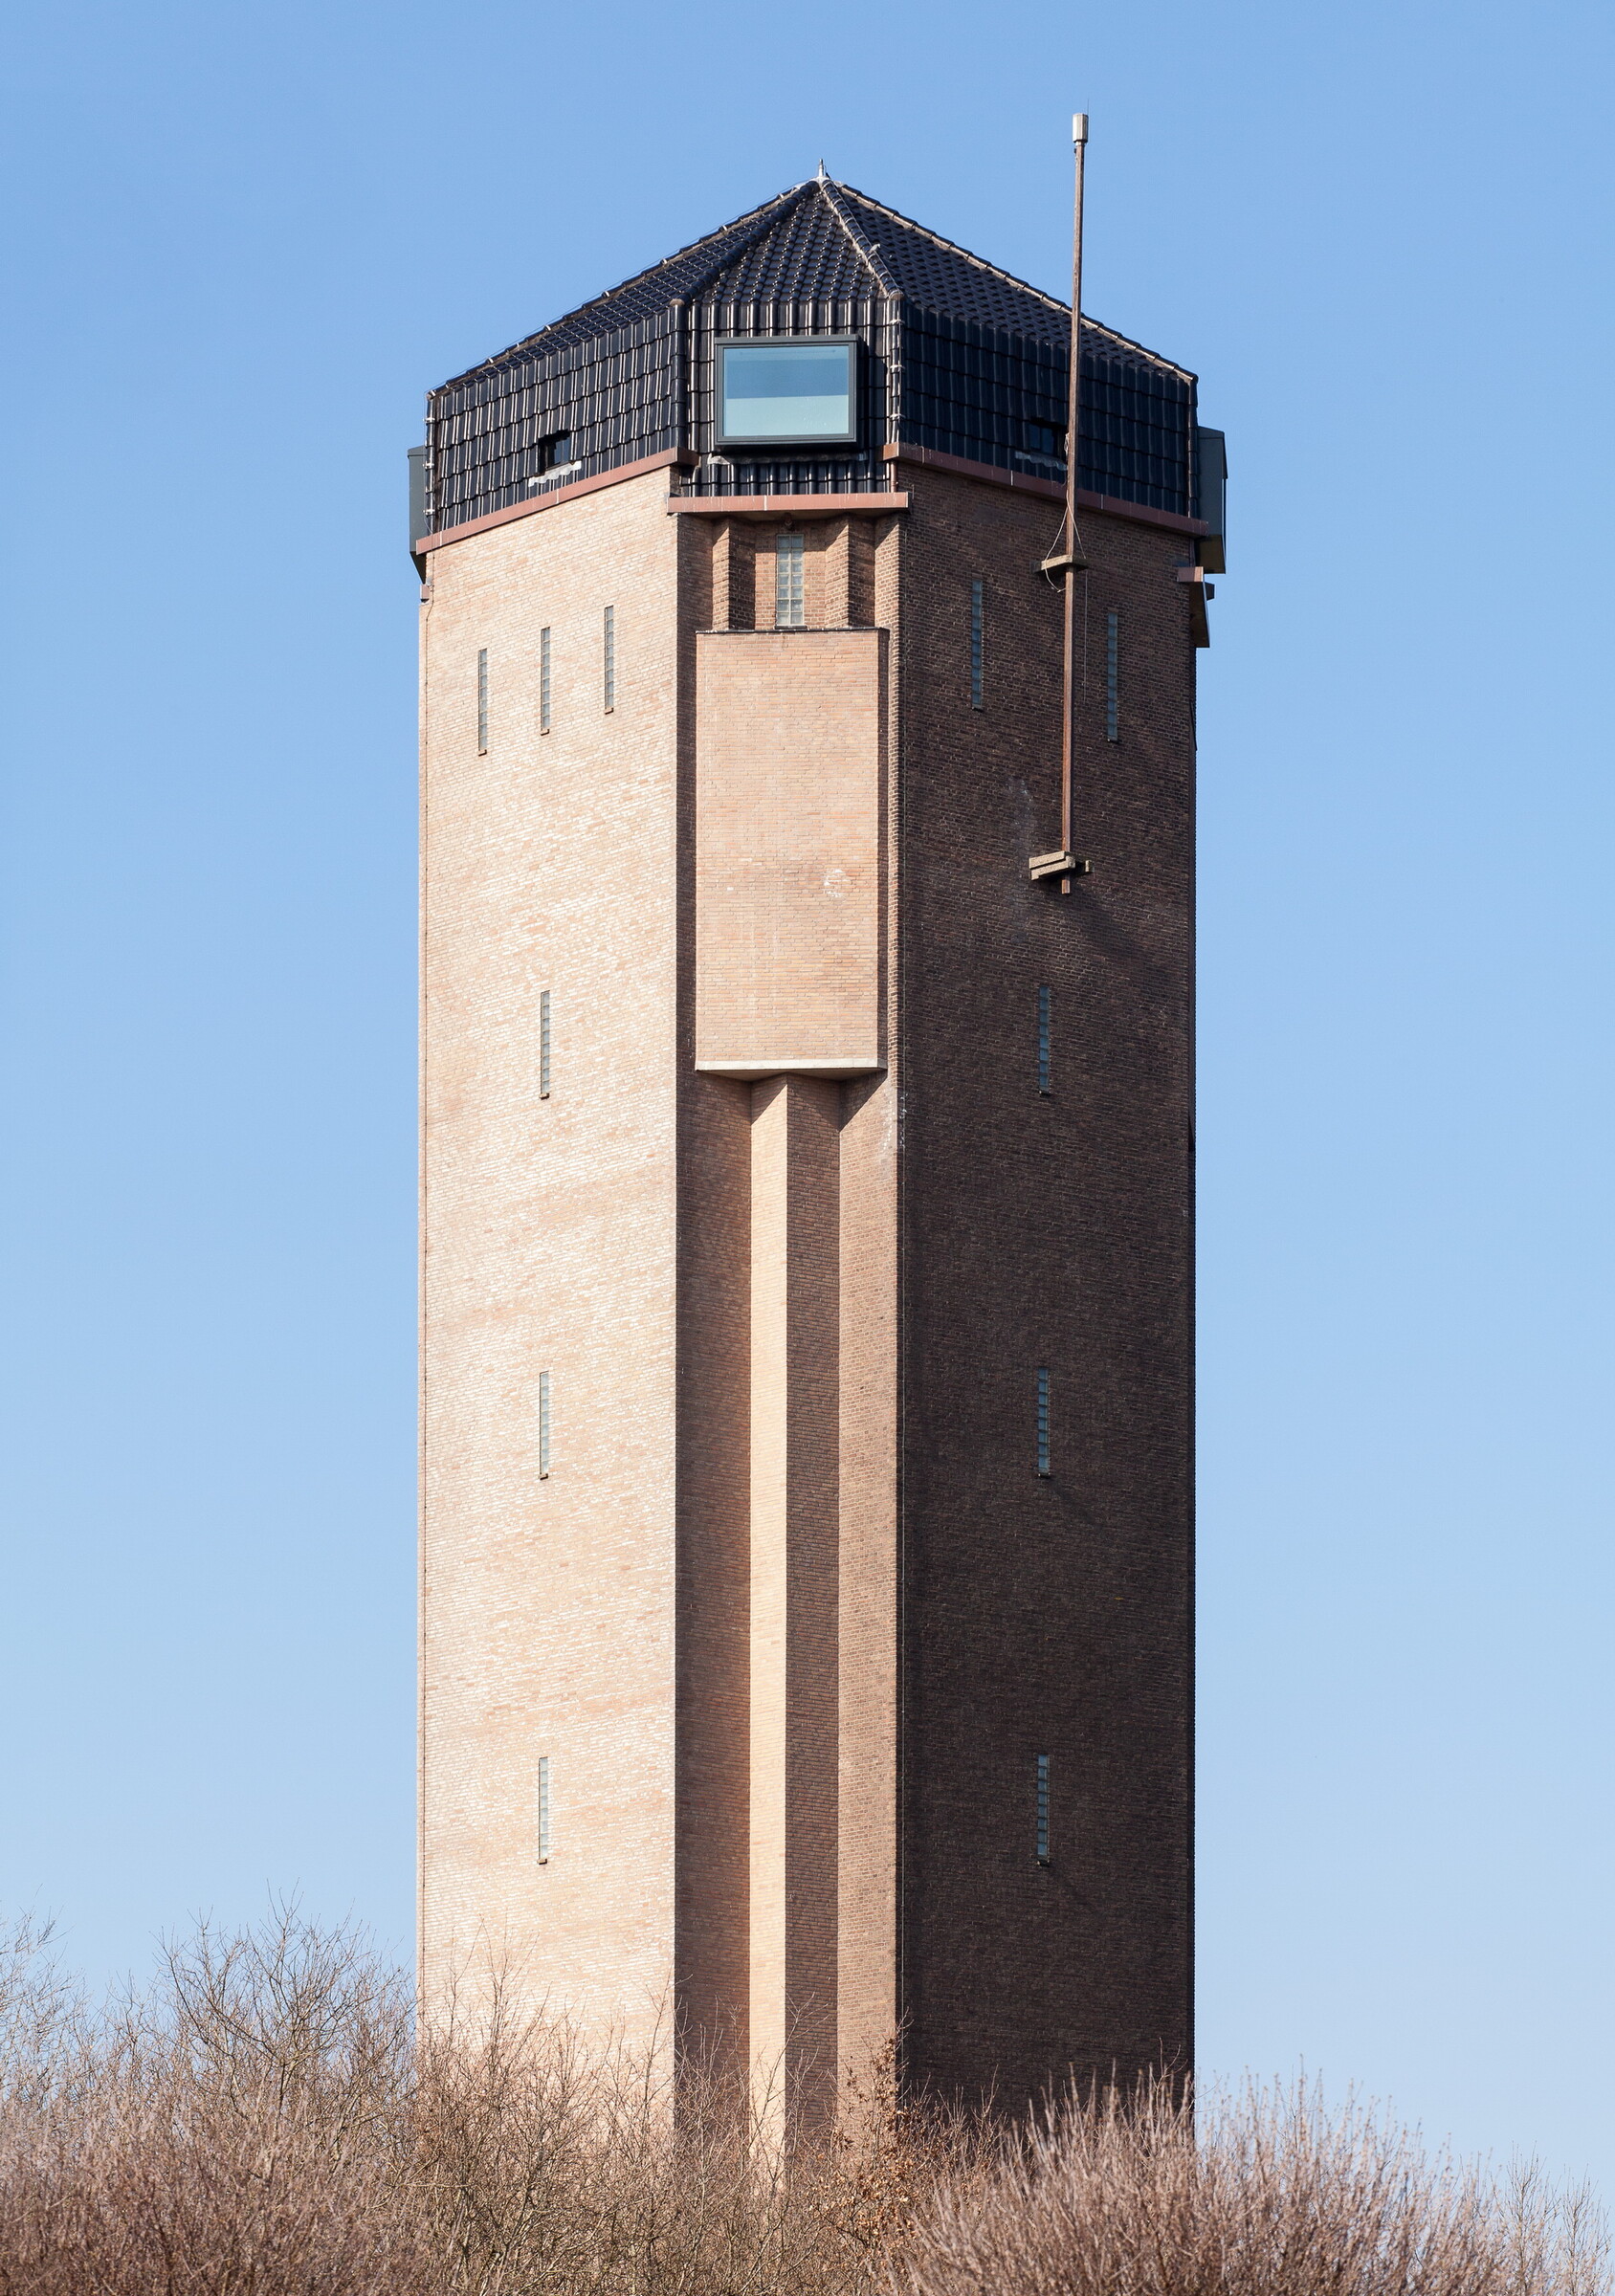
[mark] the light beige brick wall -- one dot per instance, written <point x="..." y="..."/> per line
<point x="548" y="1244"/>
<point x="723" y="1791"/>
<point x="788" y="851"/>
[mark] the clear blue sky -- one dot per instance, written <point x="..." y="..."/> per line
<point x="243" y="242"/>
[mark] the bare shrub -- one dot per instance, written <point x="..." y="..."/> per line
<point x="235" y="2130"/>
<point x="264" y="2121"/>
<point x="1252" y="2194"/>
<point x="550" y="2169"/>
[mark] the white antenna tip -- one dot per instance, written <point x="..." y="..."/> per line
<point x="1079" y="129"/>
<point x="821" y="171"/>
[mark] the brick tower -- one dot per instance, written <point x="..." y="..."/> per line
<point x="807" y="1186"/>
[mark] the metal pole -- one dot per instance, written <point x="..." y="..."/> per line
<point x="1069" y="563"/>
<point x="1068" y="729"/>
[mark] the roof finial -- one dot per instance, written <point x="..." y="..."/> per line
<point x="822" y="177"/>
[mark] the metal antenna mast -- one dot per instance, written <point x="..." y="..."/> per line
<point x="1069" y="562"/>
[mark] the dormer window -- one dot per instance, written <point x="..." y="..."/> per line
<point x="800" y="392"/>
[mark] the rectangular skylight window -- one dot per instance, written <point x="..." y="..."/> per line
<point x="801" y="393"/>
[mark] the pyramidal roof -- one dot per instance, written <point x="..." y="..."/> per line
<point x="823" y="241"/>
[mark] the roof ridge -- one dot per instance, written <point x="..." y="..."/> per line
<point x="867" y="250"/>
<point x="768" y="217"/>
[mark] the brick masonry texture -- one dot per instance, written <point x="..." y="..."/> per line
<point x="793" y="1613"/>
<point x="549" y="1243"/>
<point x="1045" y="1614"/>
<point x="788" y="860"/>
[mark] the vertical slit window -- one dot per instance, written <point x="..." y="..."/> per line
<point x="543" y="1809"/>
<point x="544" y="682"/>
<point x="789" y="586"/>
<point x="544" y="1043"/>
<point x="544" y="1425"/>
<point x="1042" y="1792"/>
<point x="1112" y="650"/>
<point x="977" y="612"/>
<point x="609" y="658"/>
<point x="1045" y="1040"/>
<point x="483" y="703"/>
<point x="1043" y="1467"/>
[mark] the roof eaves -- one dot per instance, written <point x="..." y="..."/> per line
<point x="1094" y="327"/>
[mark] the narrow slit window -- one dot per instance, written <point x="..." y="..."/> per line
<point x="483" y="703"/>
<point x="543" y="1809"/>
<point x="1041" y="1789"/>
<point x="544" y="682"/>
<point x="544" y="1043"/>
<point x="1043" y="1467"/>
<point x="1045" y="1040"/>
<point x="611" y="659"/>
<point x="544" y="1425"/>
<point x="977" y="615"/>
<point x="790" y="586"/>
<point x="1113" y="651"/>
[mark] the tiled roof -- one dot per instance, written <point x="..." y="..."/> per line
<point x="939" y="276"/>
<point x="649" y="291"/>
<point x="807" y="252"/>
<point x="824" y="241"/>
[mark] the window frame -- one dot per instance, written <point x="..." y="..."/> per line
<point x="723" y="439"/>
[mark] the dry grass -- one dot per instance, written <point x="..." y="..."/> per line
<point x="261" y="2122"/>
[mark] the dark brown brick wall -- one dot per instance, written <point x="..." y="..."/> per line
<point x="1044" y="1615"/>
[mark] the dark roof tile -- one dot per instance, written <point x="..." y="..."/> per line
<point x="823" y="241"/>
